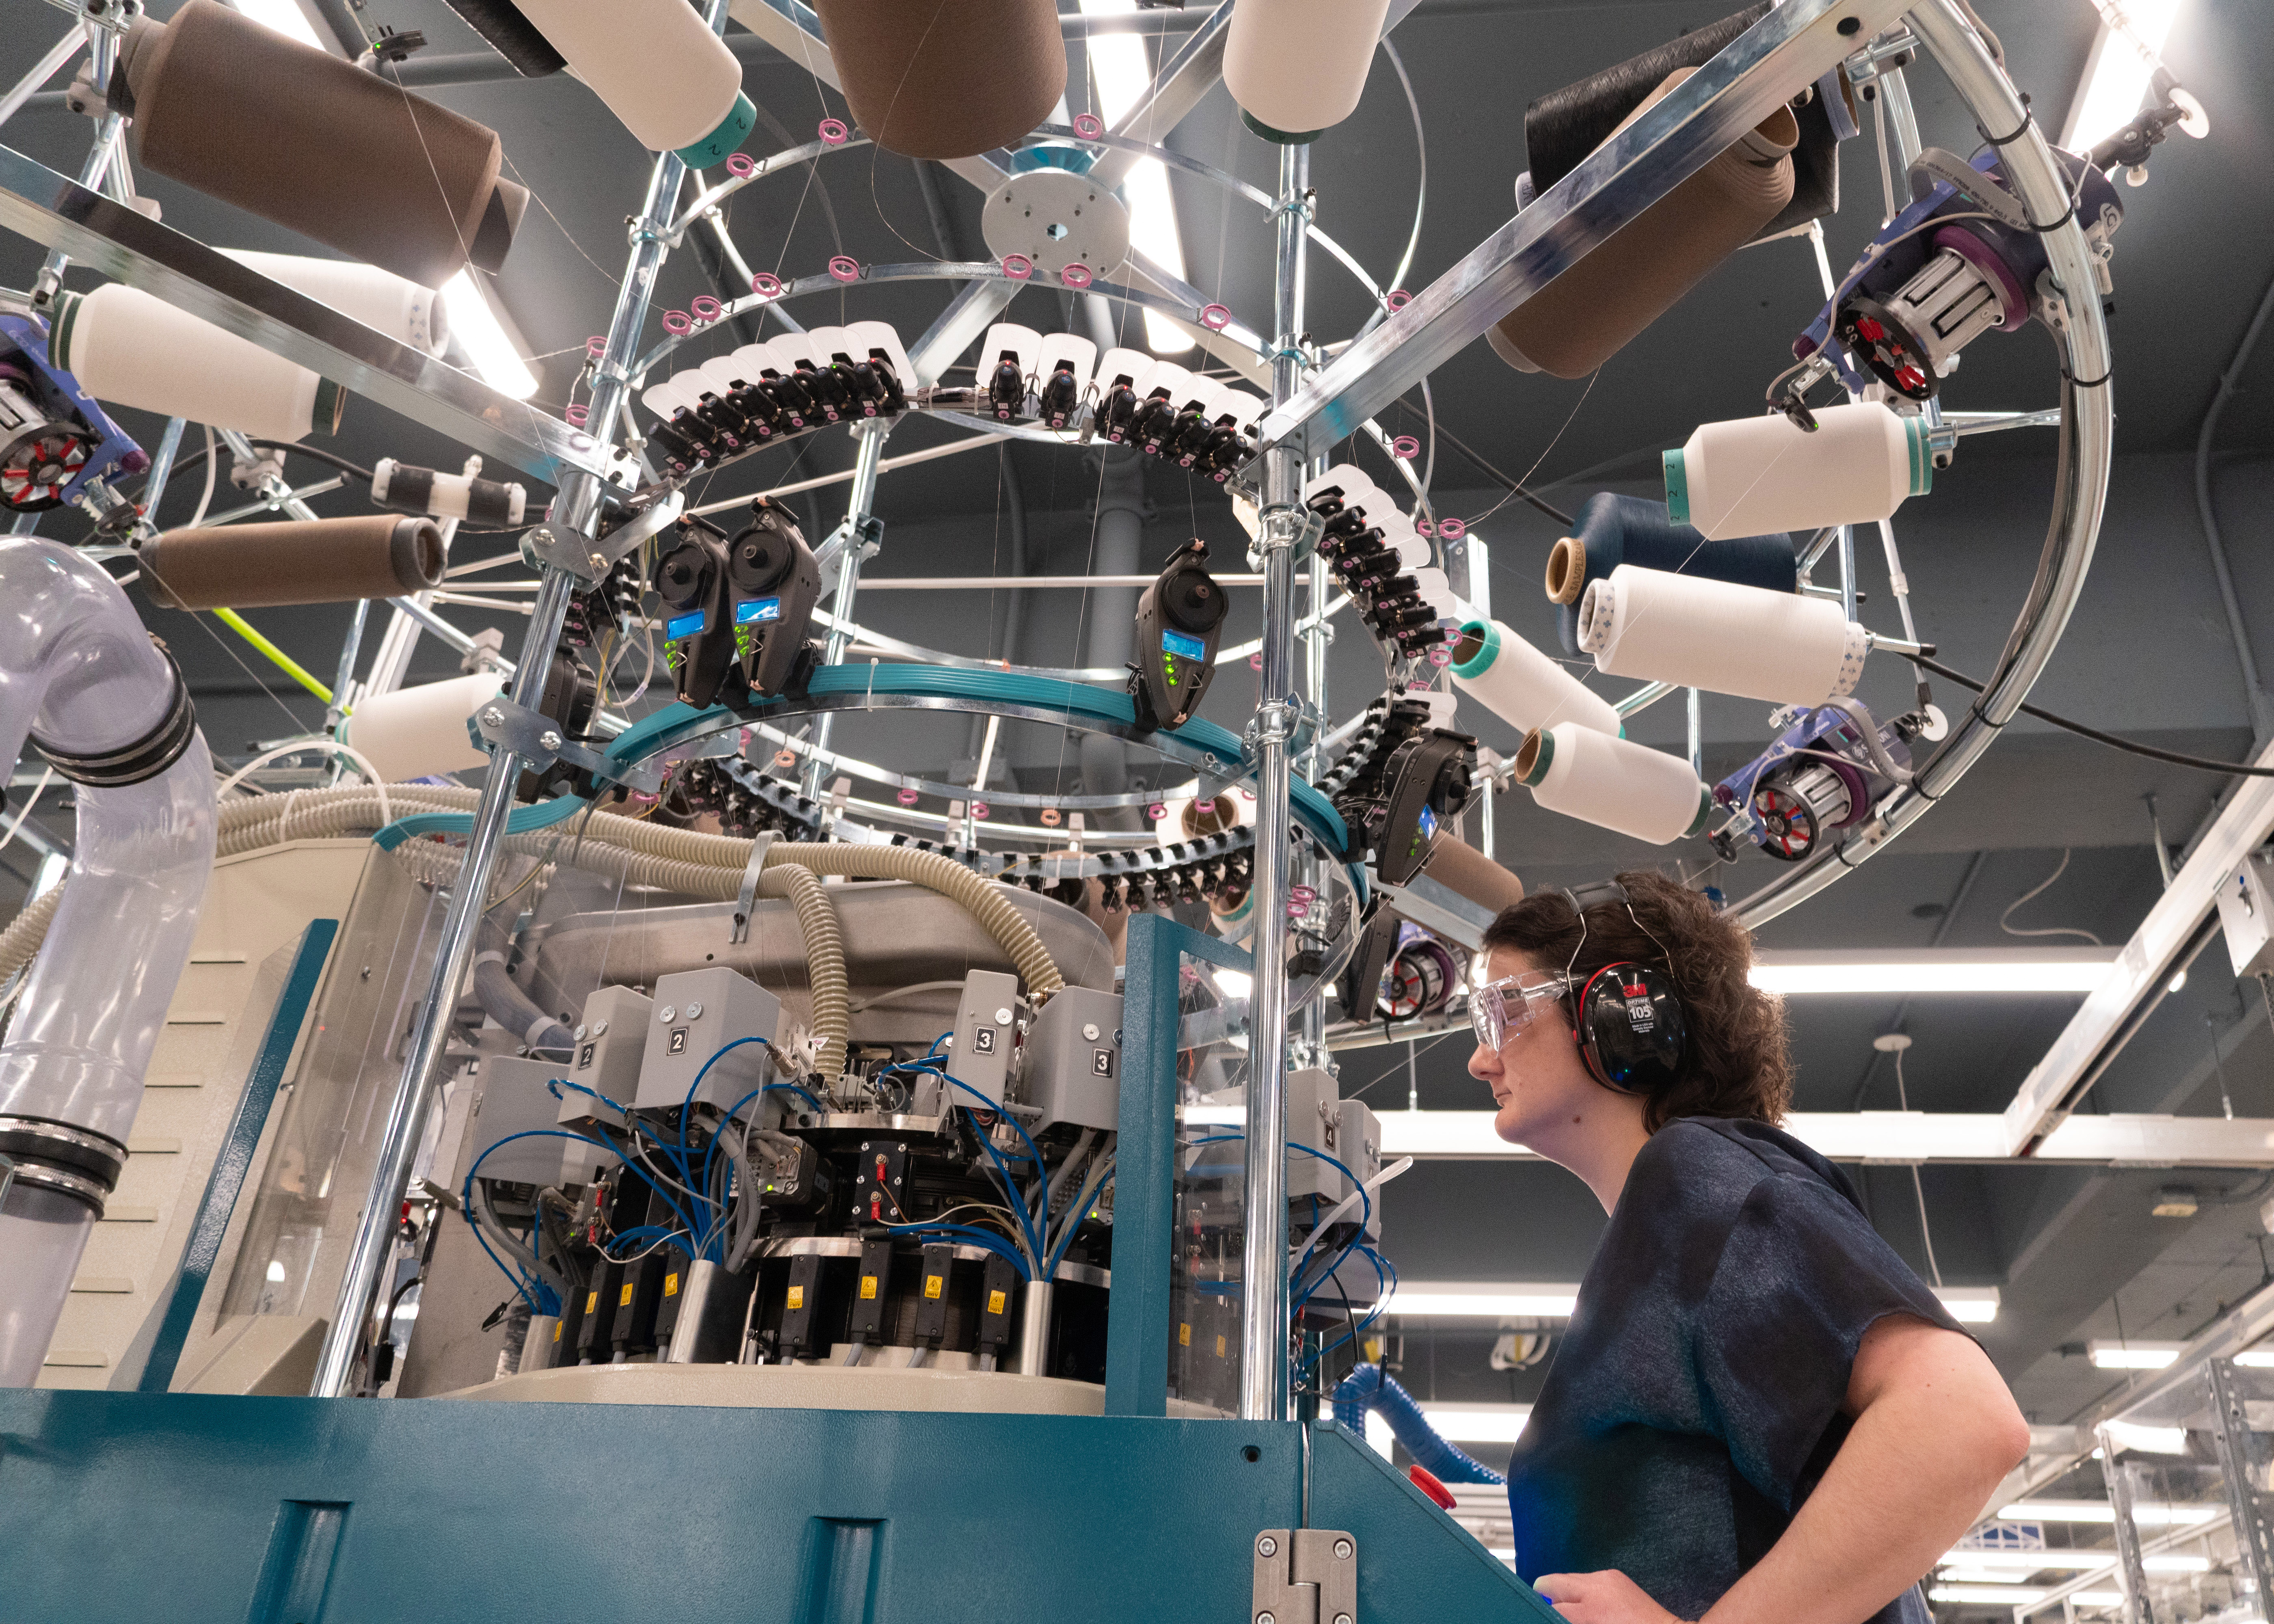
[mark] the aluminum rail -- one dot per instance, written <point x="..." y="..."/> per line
<point x="2173" y="930"/>
<point x="576" y="510"/>
<point x="1792" y="47"/>
<point x="129" y="246"/>
<point x="2082" y="476"/>
<point x="1263" y="1304"/>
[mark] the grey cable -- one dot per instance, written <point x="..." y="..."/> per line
<point x="2049" y="930"/>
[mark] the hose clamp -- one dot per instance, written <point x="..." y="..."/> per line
<point x="55" y="1155"/>
<point x="144" y="759"/>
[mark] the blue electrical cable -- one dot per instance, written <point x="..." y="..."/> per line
<point x="1017" y="1203"/>
<point x="1073" y="1223"/>
<point x="467" y="1188"/>
<point x="712" y="1151"/>
<point x="985" y="1238"/>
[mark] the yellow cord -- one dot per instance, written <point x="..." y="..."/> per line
<point x="283" y="661"/>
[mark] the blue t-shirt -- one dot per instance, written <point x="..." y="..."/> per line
<point x="1695" y="1400"/>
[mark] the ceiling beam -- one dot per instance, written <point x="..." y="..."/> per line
<point x="1908" y="1138"/>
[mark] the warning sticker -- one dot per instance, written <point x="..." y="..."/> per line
<point x="1219" y="1347"/>
<point x="591" y="1302"/>
<point x="1184" y="1336"/>
<point x="932" y="1284"/>
<point x="624" y="1297"/>
<point x="796" y="1298"/>
<point x="671" y="1285"/>
<point x="868" y="1287"/>
<point x="997" y="1302"/>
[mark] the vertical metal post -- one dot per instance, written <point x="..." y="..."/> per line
<point x="1263" y="1264"/>
<point x="1479" y="556"/>
<point x="2130" y="1568"/>
<point x="871" y="431"/>
<point x="161" y="469"/>
<point x="341" y="701"/>
<point x="1901" y="119"/>
<point x="1697" y="732"/>
<point x="2229" y="1431"/>
<point x="577" y="507"/>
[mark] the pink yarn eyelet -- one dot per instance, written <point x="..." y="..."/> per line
<point x="1423" y="527"/>
<point x="785" y="758"/>
<point x="833" y="132"/>
<point x="979" y="811"/>
<point x="1154" y="813"/>
<point x="741" y="166"/>
<point x="1255" y="662"/>
<point x="575" y="414"/>
<point x="1017" y="267"/>
<point x="1441" y="655"/>
<point x="1451" y="530"/>
<point x="908" y="797"/>
<point x="766" y="285"/>
<point x="1214" y="317"/>
<point x="1406" y="448"/>
<point x="678" y="321"/>
<point x="1397" y="298"/>
<point x="844" y="268"/>
<point x="594" y="347"/>
<point x="706" y="308"/>
<point x="1076" y="276"/>
<point x="1090" y="126"/>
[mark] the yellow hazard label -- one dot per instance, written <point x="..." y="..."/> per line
<point x="868" y="1287"/>
<point x="796" y="1297"/>
<point x="671" y="1284"/>
<point x="932" y="1284"/>
<point x="1219" y="1347"/>
<point x="624" y="1297"/>
<point x="592" y="1303"/>
<point x="1184" y="1336"/>
<point x="556" y="1330"/>
<point x="996" y="1301"/>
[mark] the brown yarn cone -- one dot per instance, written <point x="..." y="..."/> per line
<point x="317" y="145"/>
<point x="294" y="561"/>
<point x="1591" y="312"/>
<point x="1467" y="872"/>
<point x="946" y="78"/>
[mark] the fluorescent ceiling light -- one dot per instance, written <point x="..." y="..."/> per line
<point x="2002" y="1595"/>
<point x="289" y="20"/>
<point x="2022" y="970"/>
<point x="2097" y="1598"/>
<point x="1414" y="1299"/>
<point x="2116" y="75"/>
<point x="2259" y="1359"/>
<point x="1121" y="67"/>
<point x="1969" y="1304"/>
<point x="2131" y="1356"/>
<point x="2147" y="1513"/>
<point x="2148" y="1440"/>
<point x="478" y="330"/>
<point x="1461" y="1423"/>
<point x="2029" y="1561"/>
<point x="2175" y="1564"/>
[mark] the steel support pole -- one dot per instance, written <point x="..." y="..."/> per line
<point x="2130" y="1572"/>
<point x="578" y="508"/>
<point x="2231" y="1437"/>
<point x="40" y="72"/>
<point x="872" y="433"/>
<point x="1263" y="1269"/>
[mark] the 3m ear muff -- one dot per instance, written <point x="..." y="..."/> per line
<point x="1631" y="1028"/>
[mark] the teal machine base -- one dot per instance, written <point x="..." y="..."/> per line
<point x="206" y="1510"/>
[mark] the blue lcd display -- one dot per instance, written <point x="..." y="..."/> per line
<point x="1429" y="824"/>
<point x="1182" y="646"/>
<point x="752" y="609"/>
<point x="686" y="625"/>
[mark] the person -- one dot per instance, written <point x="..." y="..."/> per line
<point x="1757" y="1412"/>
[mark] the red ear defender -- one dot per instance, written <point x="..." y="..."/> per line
<point x="1631" y="1028"/>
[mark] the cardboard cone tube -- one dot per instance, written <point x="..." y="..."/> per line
<point x="298" y="561"/>
<point x="1466" y="871"/>
<point x="299" y="137"/>
<point x="946" y="78"/>
<point x="1591" y="312"/>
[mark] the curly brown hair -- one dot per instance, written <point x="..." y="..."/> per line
<point x="1736" y="1063"/>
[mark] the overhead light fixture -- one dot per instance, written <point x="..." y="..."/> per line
<point x="1969" y="1304"/>
<point x="2258" y="1358"/>
<point x="2097" y="1598"/>
<point x="2000" y="1595"/>
<point x="1460" y="1423"/>
<point x="2029" y="1561"/>
<point x="2017" y="970"/>
<point x="287" y="19"/>
<point x="474" y="326"/>
<point x="1121" y="67"/>
<point x="1416" y="1299"/>
<point x="2131" y="1354"/>
<point x="2124" y="55"/>
<point x="2169" y="1563"/>
<point x="2148" y="1439"/>
<point x="2147" y="1513"/>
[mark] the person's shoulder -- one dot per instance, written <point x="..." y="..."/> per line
<point x="1732" y="1156"/>
<point x="1691" y="1164"/>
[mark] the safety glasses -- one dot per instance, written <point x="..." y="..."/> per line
<point x="1499" y="1010"/>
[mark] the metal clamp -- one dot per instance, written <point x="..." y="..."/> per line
<point x="616" y="543"/>
<point x="746" y="899"/>
<point x="866" y="533"/>
<point x="1304" y="1575"/>
<point x="551" y="546"/>
<point x="536" y="738"/>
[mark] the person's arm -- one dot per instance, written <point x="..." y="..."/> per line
<point x="1935" y="1432"/>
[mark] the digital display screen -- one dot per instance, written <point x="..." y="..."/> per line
<point x="683" y="625"/>
<point x="1182" y="646"/>
<point x="1429" y="824"/>
<point x="754" y="609"/>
